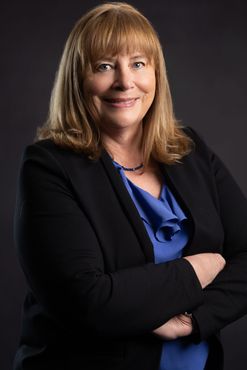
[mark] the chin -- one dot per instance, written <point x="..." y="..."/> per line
<point x="123" y="123"/>
<point x="122" y="120"/>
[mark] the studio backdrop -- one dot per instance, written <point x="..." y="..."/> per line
<point x="204" y="44"/>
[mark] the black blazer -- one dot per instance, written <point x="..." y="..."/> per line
<point x="95" y="294"/>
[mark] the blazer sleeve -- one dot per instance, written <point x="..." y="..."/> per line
<point x="64" y="264"/>
<point x="225" y="299"/>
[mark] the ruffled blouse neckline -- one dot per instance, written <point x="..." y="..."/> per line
<point x="163" y="214"/>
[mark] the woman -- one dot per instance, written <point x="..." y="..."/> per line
<point x="130" y="231"/>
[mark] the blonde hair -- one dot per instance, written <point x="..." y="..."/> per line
<point x="109" y="29"/>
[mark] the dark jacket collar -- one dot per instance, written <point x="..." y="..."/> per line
<point x="128" y="206"/>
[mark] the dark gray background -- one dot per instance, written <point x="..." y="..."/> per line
<point x="205" y="49"/>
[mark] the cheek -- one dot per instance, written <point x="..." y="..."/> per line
<point x="92" y="89"/>
<point x="96" y="86"/>
<point x="148" y="84"/>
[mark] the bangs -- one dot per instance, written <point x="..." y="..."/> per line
<point x="117" y="32"/>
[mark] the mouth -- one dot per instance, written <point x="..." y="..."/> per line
<point x="120" y="102"/>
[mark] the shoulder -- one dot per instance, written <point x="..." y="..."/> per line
<point x="49" y="148"/>
<point x="199" y="143"/>
<point x="200" y="155"/>
<point x="205" y="161"/>
<point x="46" y="160"/>
<point x="48" y="153"/>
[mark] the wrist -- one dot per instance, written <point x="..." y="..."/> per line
<point x="195" y="327"/>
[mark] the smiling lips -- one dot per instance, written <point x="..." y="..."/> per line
<point x="120" y="102"/>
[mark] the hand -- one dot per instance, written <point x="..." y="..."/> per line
<point x="176" y="327"/>
<point x="206" y="266"/>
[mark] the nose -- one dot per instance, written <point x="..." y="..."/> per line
<point x="123" y="78"/>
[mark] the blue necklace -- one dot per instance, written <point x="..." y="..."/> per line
<point x="132" y="169"/>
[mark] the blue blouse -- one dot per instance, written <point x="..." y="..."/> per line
<point x="168" y="229"/>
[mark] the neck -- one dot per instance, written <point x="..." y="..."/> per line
<point x="124" y="147"/>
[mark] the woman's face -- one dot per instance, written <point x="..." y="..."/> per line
<point x="122" y="89"/>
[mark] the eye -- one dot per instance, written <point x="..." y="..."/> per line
<point x="104" y="67"/>
<point x="138" y="65"/>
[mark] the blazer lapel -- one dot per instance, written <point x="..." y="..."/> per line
<point x="128" y="206"/>
<point x="175" y="178"/>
